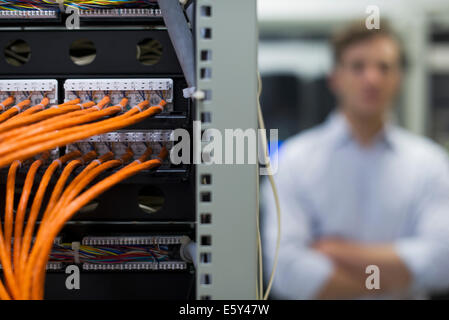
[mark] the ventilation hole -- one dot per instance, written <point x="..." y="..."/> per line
<point x="205" y="257"/>
<point x="205" y="279"/>
<point x="206" y="240"/>
<point x="207" y="95"/>
<point x="82" y="52"/>
<point x="151" y="199"/>
<point x="90" y="207"/>
<point x="206" y="179"/>
<point x="206" y="55"/>
<point x="206" y="33"/>
<point x="149" y="51"/>
<point x="206" y="73"/>
<point x="206" y="117"/>
<point x="206" y="218"/>
<point x="206" y="197"/>
<point x="17" y="53"/>
<point x="206" y="11"/>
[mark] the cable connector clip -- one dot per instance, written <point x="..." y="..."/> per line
<point x="189" y="92"/>
<point x="76" y="251"/>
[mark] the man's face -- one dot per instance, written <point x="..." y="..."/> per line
<point x="368" y="76"/>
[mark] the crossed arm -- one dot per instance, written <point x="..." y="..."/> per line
<point x="351" y="259"/>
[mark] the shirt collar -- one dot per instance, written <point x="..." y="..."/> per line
<point x="340" y="132"/>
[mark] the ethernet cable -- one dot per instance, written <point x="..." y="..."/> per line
<point x="66" y="198"/>
<point x="55" y="120"/>
<point x="45" y="114"/>
<point x="75" y="188"/>
<point x="52" y="127"/>
<point x="39" y="107"/>
<point x="6" y="103"/>
<point x="50" y="135"/>
<point x="33" y="145"/>
<point x="57" y="209"/>
<point x="67" y="171"/>
<point x="37" y="203"/>
<point x="9" y="206"/>
<point x="35" y="269"/>
<point x="64" y="121"/>
<point x="14" y="110"/>
<point x="276" y="199"/>
<point x="23" y="204"/>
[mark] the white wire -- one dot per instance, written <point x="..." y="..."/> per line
<point x="276" y="199"/>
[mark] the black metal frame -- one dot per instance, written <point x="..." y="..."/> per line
<point x="118" y="211"/>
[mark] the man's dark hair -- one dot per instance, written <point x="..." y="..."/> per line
<point x="357" y="32"/>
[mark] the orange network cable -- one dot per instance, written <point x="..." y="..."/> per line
<point x="76" y="187"/>
<point x="71" y="193"/>
<point x="45" y="114"/>
<point x="37" y="202"/>
<point x="12" y="286"/>
<point x="19" y="265"/>
<point x="72" y="165"/>
<point x="95" y="163"/>
<point x="39" y="255"/>
<point x="39" y="107"/>
<point x="6" y="103"/>
<point x="32" y="140"/>
<point x="5" y="255"/>
<point x="22" y="206"/>
<point x="10" y="152"/>
<point x="12" y="130"/>
<point x="64" y="121"/>
<point x="45" y="136"/>
<point x="5" y="241"/>
<point x="14" y="110"/>
<point x="9" y="206"/>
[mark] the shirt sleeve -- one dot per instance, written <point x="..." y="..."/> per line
<point x="301" y="271"/>
<point x="426" y="253"/>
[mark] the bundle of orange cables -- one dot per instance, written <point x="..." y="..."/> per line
<point x="36" y="131"/>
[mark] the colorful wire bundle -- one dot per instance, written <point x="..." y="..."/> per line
<point x="110" y="254"/>
<point x="82" y="5"/>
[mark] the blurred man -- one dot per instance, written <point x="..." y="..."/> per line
<point x="358" y="191"/>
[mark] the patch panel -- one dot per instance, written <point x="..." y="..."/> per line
<point x="133" y="240"/>
<point x="125" y="253"/>
<point x="28" y="14"/>
<point x="33" y="89"/>
<point x="120" y="13"/>
<point x="118" y="142"/>
<point x="143" y="266"/>
<point x="54" y="266"/>
<point x="136" y="90"/>
<point x="51" y="266"/>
